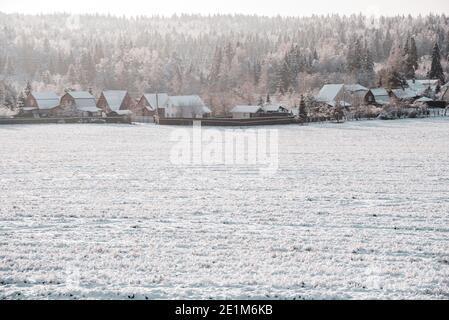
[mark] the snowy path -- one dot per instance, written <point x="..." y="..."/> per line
<point x="358" y="210"/>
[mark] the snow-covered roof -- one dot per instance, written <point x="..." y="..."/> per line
<point x="379" y="92"/>
<point x="246" y="109"/>
<point x="46" y="100"/>
<point x="84" y="101"/>
<point x="406" y="93"/>
<point x="114" y="98"/>
<point x="186" y="101"/>
<point x="329" y="92"/>
<point x="424" y="99"/>
<point x="341" y="103"/>
<point x="355" y="87"/>
<point x="272" y="108"/>
<point x="123" y="112"/>
<point x="420" y="86"/>
<point x="381" y="95"/>
<point x="207" y="110"/>
<point x="155" y="100"/>
<point x="81" y="95"/>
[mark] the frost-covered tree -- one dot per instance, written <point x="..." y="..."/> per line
<point x="436" y="70"/>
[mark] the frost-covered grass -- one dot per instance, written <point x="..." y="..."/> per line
<point x="357" y="210"/>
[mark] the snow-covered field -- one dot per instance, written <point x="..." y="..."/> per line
<point x="357" y="210"/>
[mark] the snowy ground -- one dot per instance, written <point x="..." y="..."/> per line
<point x="357" y="210"/>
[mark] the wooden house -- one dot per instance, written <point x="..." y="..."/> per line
<point x="79" y="104"/>
<point x="151" y="104"/>
<point x="42" y="104"/>
<point x="116" y="102"/>
<point x="381" y="96"/>
<point x="333" y="95"/>
<point x="246" y="112"/>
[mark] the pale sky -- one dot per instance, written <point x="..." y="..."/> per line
<point x="260" y="7"/>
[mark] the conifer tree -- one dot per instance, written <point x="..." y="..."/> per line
<point x="436" y="70"/>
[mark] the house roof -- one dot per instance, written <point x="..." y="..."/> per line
<point x="207" y="110"/>
<point x="379" y="92"/>
<point x="81" y="95"/>
<point x="381" y="96"/>
<point x="272" y="107"/>
<point x="246" y="109"/>
<point x="84" y="101"/>
<point x="155" y="100"/>
<point x="424" y="99"/>
<point x="186" y="101"/>
<point x="114" y="98"/>
<point x="46" y="100"/>
<point x="329" y="92"/>
<point x="355" y="87"/>
<point x="406" y="93"/>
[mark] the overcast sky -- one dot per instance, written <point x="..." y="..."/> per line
<point x="260" y="7"/>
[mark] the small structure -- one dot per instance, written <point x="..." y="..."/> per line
<point x="186" y="107"/>
<point x="333" y="95"/>
<point x="381" y="96"/>
<point x="246" y="112"/>
<point x="79" y="103"/>
<point x="116" y="102"/>
<point x="42" y="104"/>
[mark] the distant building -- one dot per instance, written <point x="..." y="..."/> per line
<point x="423" y="87"/>
<point x="274" y="109"/>
<point x="43" y="104"/>
<point x="333" y="95"/>
<point x="246" y="112"/>
<point x="115" y="101"/>
<point x="381" y="96"/>
<point x="186" y="107"/>
<point x="79" y="103"/>
<point x="405" y="95"/>
<point x="358" y="94"/>
<point x="151" y="104"/>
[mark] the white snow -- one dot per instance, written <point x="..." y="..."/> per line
<point x="356" y="210"/>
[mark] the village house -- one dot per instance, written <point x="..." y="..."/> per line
<point x="116" y="102"/>
<point x="424" y="87"/>
<point x="79" y="103"/>
<point x="151" y="104"/>
<point x="42" y="104"/>
<point x="404" y="95"/>
<point x="381" y="96"/>
<point x="246" y="112"/>
<point x="359" y="95"/>
<point x="333" y="95"/>
<point x="186" y="107"/>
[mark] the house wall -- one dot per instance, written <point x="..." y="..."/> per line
<point x="103" y="104"/>
<point x="241" y="115"/>
<point x="140" y="108"/>
<point x="30" y="102"/>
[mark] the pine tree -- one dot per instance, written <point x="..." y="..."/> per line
<point x="20" y="102"/>
<point x="411" y="59"/>
<point x="436" y="70"/>
<point x="27" y="89"/>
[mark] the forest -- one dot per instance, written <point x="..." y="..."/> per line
<point x="226" y="59"/>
